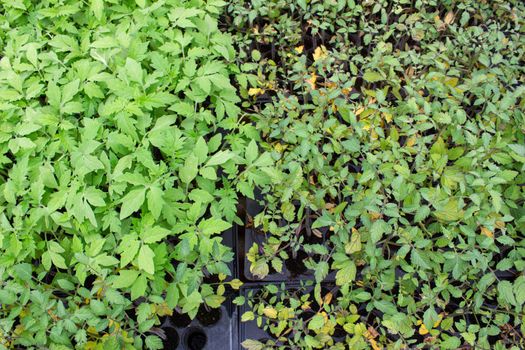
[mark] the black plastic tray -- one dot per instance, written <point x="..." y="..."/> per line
<point x="246" y="236"/>
<point x="220" y="335"/>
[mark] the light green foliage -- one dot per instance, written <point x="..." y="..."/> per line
<point x="120" y="153"/>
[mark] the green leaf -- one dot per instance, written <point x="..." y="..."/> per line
<point x="450" y="343"/>
<point x="57" y="260"/>
<point x="155" y="234"/>
<point x="198" y="195"/>
<point x="422" y="213"/>
<point x="450" y="211"/>
<point x="251" y="152"/>
<point x="346" y="274"/>
<point x="214" y="300"/>
<point x="323" y="221"/>
<point x="23" y="271"/>
<point x="211" y="226"/>
<point x="190" y="169"/>
<point x="201" y="150"/>
<point x="128" y="248"/>
<point x="133" y="70"/>
<point x="145" y="259"/>
<point x="519" y="291"/>
<point x="518" y="149"/>
<point x="97" y="6"/>
<point x="317" y="322"/>
<point x="372" y="77"/>
<point x="430" y="317"/>
<point x="377" y="230"/>
<point x="208" y="173"/>
<point x="132" y="202"/>
<point x="7" y="297"/>
<point x="155" y="201"/>
<point x="220" y="157"/>
<point x="418" y="260"/>
<point x="250" y="344"/>
<point x="247" y="316"/>
<point x="385" y="307"/>
<point x="506" y="293"/>
<point x="125" y="279"/>
<point x="53" y="95"/>
<point x="154" y="343"/>
<point x="138" y="289"/>
<point x="321" y="271"/>
<point x="69" y="91"/>
<point x="172" y="295"/>
<point x="312" y="342"/>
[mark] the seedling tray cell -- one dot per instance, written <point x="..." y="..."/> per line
<point x="212" y="329"/>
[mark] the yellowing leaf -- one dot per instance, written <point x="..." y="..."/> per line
<point x="449" y="18"/>
<point x="163" y="309"/>
<point x="438" y="322"/>
<point x="487" y="232"/>
<point x="411" y="141"/>
<point x="270" y="312"/>
<point x="299" y="49"/>
<point x="311" y="81"/>
<point x="319" y="53"/>
<point x="374" y="345"/>
<point x="306" y="306"/>
<point x="327" y="298"/>
<point x="286" y="313"/>
<point x="374" y="216"/>
<point x="235" y="283"/>
<point x="355" y="242"/>
<point x="451" y="81"/>
<point x="247" y="316"/>
<point x="279" y="147"/>
<point x="359" y="111"/>
<point x="255" y="91"/>
<point x="19" y="329"/>
<point x="422" y="329"/>
<point x="370" y="334"/>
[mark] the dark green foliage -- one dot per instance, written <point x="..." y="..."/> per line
<point x="397" y="128"/>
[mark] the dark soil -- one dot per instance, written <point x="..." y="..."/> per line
<point x="211" y="279"/>
<point x="296" y="265"/>
<point x="172" y="338"/>
<point x="88" y="283"/>
<point x="339" y="332"/>
<point x="305" y="316"/>
<point x="60" y="294"/>
<point x="311" y="238"/>
<point x="180" y="320"/>
<point x="208" y="317"/>
<point x="131" y="313"/>
<point x="196" y="339"/>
